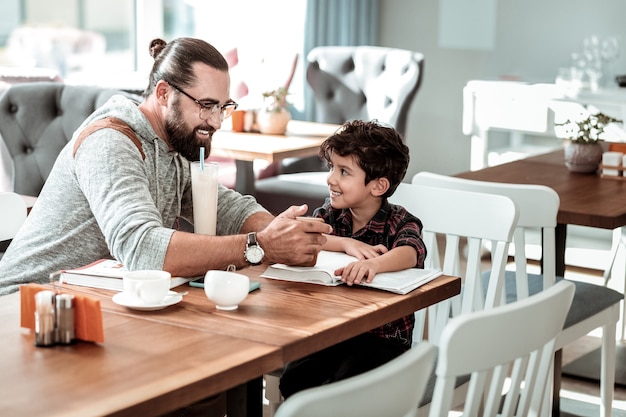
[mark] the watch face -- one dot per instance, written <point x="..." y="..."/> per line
<point x="254" y="254"/>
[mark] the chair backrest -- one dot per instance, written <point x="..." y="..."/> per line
<point x="394" y="389"/>
<point x="37" y="120"/>
<point x="538" y="206"/>
<point x="364" y="82"/>
<point x="12" y="214"/>
<point x="460" y="216"/>
<point x="507" y="349"/>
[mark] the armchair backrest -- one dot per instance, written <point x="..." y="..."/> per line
<point x="364" y="82"/>
<point x="37" y="120"/>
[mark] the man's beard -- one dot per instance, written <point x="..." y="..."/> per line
<point x="182" y="139"/>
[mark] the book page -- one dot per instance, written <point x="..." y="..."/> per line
<point x="400" y="282"/>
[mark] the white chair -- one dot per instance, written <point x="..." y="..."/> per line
<point x="391" y="390"/>
<point x="510" y="361"/>
<point x="461" y="218"/>
<point x="593" y="306"/>
<point x="12" y="215"/>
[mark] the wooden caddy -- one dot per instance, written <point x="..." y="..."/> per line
<point x="620" y="172"/>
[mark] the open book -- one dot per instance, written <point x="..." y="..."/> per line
<point x="106" y="274"/>
<point x="399" y="282"/>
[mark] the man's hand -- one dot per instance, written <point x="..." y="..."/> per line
<point x="293" y="242"/>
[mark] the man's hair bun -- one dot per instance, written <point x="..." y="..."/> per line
<point x="156" y="46"/>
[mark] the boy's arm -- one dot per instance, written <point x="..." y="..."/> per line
<point x="353" y="247"/>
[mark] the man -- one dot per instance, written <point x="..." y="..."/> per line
<point x="121" y="184"/>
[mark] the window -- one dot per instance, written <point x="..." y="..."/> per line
<point x="106" y="42"/>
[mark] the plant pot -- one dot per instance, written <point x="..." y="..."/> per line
<point x="273" y="122"/>
<point x="583" y="157"/>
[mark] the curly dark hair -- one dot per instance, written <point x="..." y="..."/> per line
<point x="173" y="61"/>
<point x="379" y="150"/>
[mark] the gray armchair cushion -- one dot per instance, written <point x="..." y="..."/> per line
<point x="589" y="299"/>
<point x="37" y="120"/>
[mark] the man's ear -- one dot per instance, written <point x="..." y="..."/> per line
<point x="162" y="90"/>
<point x="381" y="185"/>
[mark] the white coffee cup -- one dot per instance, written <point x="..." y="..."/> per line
<point x="226" y="289"/>
<point x="148" y="286"/>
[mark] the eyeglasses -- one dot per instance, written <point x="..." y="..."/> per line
<point x="211" y="107"/>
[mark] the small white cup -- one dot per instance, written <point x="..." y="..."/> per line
<point x="147" y="286"/>
<point x="226" y="289"/>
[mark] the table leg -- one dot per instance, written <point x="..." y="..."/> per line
<point x="246" y="399"/>
<point x="556" y="398"/>
<point x="244" y="178"/>
<point x="560" y="237"/>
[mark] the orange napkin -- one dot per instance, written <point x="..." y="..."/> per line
<point x="617" y="147"/>
<point x="87" y="313"/>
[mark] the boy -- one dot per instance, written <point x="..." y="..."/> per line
<point x="367" y="161"/>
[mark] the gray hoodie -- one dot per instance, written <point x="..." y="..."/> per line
<point x="108" y="201"/>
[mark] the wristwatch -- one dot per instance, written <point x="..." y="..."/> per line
<point x="253" y="253"/>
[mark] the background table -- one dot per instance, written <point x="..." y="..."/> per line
<point x="301" y="139"/>
<point x="585" y="199"/>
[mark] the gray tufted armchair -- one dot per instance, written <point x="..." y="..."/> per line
<point x="349" y="83"/>
<point x="37" y="120"/>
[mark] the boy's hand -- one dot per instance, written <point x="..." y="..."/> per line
<point x="357" y="272"/>
<point x="362" y="250"/>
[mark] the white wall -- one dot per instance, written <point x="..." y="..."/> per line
<point x="533" y="39"/>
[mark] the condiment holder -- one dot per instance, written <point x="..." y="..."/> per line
<point x="59" y="318"/>
<point x="613" y="165"/>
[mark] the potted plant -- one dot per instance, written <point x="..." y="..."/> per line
<point x="273" y="117"/>
<point x="584" y="150"/>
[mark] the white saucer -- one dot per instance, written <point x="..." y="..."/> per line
<point x="127" y="300"/>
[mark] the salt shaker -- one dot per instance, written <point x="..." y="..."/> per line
<point x="65" y="319"/>
<point x="44" y="318"/>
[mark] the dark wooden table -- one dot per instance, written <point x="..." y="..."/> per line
<point x="585" y="199"/>
<point x="155" y="361"/>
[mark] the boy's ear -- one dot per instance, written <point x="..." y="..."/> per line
<point x="381" y="185"/>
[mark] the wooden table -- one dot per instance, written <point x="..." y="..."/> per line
<point x="585" y="199"/>
<point x="156" y="361"/>
<point x="301" y="139"/>
<point x="143" y="368"/>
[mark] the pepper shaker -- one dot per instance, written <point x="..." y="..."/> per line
<point x="65" y="329"/>
<point x="44" y="318"/>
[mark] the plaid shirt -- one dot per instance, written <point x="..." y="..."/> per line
<point x="392" y="226"/>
